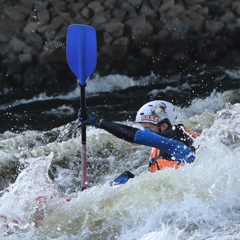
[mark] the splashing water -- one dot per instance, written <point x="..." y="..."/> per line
<point x="197" y="201"/>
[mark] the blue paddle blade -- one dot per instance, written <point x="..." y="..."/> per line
<point x="81" y="49"/>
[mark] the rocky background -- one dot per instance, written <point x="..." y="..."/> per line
<point x="135" y="37"/>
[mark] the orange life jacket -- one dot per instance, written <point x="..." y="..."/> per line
<point x="159" y="163"/>
<point x="191" y="133"/>
<point x="156" y="163"/>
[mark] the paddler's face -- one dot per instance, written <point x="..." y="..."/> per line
<point x="163" y="127"/>
<point x="150" y="126"/>
<point x="155" y="128"/>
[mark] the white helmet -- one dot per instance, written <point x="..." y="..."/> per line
<point x="157" y="111"/>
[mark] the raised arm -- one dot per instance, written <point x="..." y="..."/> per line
<point x="180" y="151"/>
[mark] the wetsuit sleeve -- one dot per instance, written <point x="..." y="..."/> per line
<point x="124" y="132"/>
<point x="180" y="151"/>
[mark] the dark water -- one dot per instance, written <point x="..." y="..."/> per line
<point x="116" y="105"/>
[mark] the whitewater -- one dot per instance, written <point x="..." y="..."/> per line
<point x="41" y="197"/>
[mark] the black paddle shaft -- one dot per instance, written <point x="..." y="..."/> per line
<point x="84" y="111"/>
<point x="84" y="137"/>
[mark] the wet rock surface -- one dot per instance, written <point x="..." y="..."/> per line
<point x="135" y="37"/>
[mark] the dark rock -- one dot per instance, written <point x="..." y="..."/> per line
<point x="135" y="37"/>
<point x="215" y="9"/>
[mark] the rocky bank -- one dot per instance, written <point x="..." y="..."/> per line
<point x="134" y="37"/>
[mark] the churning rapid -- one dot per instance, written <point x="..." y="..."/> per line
<point x="41" y="173"/>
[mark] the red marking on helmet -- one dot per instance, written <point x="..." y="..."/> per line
<point x="149" y="118"/>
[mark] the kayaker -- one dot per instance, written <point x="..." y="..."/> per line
<point x="172" y="144"/>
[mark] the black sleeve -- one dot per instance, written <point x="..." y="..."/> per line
<point x="179" y="135"/>
<point x="170" y="134"/>
<point x="124" y="132"/>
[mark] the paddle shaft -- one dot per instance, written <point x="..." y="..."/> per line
<point x="84" y="138"/>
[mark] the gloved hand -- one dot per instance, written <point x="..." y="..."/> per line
<point x="92" y="119"/>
